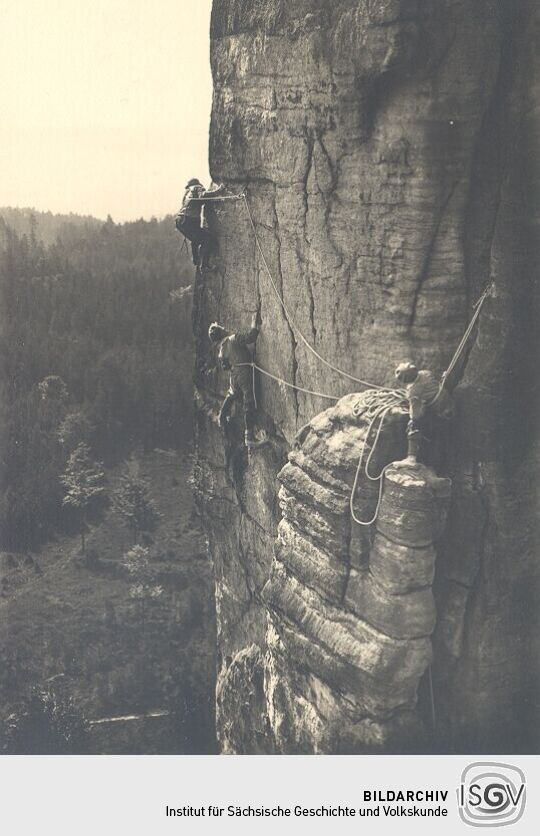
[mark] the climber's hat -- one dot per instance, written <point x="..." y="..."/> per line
<point x="216" y="332"/>
<point x="193" y="182"/>
<point x="406" y="372"/>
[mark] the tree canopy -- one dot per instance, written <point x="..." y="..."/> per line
<point x="88" y="330"/>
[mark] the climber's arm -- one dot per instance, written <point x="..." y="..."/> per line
<point x="207" y="195"/>
<point x="249" y="337"/>
<point x="210" y="193"/>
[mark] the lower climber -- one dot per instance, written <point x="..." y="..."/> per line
<point x="235" y="356"/>
<point x="424" y="393"/>
<point x="191" y="223"/>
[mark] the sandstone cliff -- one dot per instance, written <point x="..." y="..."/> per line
<point x="385" y="148"/>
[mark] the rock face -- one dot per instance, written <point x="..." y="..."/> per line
<point x="384" y="147"/>
<point x="351" y="614"/>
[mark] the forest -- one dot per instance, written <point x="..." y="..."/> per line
<point x="107" y="627"/>
<point x="95" y="348"/>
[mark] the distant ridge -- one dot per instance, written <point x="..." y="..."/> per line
<point x="47" y="225"/>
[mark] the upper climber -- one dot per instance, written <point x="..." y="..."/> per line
<point x="235" y="355"/>
<point x="423" y="392"/>
<point x="190" y="221"/>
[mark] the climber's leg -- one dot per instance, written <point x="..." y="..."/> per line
<point x="205" y="248"/>
<point x="226" y="407"/>
<point x="414" y="432"/>
<point x="250" y="413"/>
<point x="195" y="253"/>
<point x="249" y="416"/>
<point x="417" y="409"/>
<point x="190" y="229"/>
<point x="414" y="441"/>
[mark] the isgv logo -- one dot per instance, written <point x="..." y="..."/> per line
<point x="491" y="794"/>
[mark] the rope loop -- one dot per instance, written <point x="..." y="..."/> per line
<point x="376" y="406"/>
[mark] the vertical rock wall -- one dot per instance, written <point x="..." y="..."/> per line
<point x="385" y="149"/>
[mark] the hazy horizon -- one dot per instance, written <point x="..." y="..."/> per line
<point x="107" y="109"/>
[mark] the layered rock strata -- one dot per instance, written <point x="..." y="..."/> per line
<point x="351" y="610"/>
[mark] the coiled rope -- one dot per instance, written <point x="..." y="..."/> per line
<point x="378" y="406"/>
<point x="375" y="405"/>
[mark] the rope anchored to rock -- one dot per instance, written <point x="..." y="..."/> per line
<point x="380" y="404"/>
<point x="376" y="404"/>
<point x="488" y="291"/>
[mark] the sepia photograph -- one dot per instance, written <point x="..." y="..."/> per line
<point x="269" y="378"/>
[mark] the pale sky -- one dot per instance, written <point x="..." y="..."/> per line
<point x="104" y="104"/>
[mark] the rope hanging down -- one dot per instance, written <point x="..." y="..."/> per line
<point x="294" y="327"/>
<point x="378" y="406"/>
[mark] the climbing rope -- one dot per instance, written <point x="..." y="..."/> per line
<point x="379" y="404"/>
<point x="253" y="383"/>
<point x="294" y="327"/>
<point x="219" y="198"/>
<point x="488" y="290"/>
<point x="286" y="383"/>
<point x="375" y="406"/>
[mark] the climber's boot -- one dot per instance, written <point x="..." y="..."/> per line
<point x="410" y="461"/>
<point x="414" y="440"/>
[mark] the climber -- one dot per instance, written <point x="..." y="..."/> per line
<point x="235" y="356"/>
<point x="191" y="223"/>
<point x="424" y="393"/>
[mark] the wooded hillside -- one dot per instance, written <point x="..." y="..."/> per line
<point x="92" y="307"/>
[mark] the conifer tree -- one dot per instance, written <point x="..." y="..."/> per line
<point x="83" y="479"/>
<point x="75" y="427"/>
<point x="132" y="502"/>
<point x="143" y="588"/>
